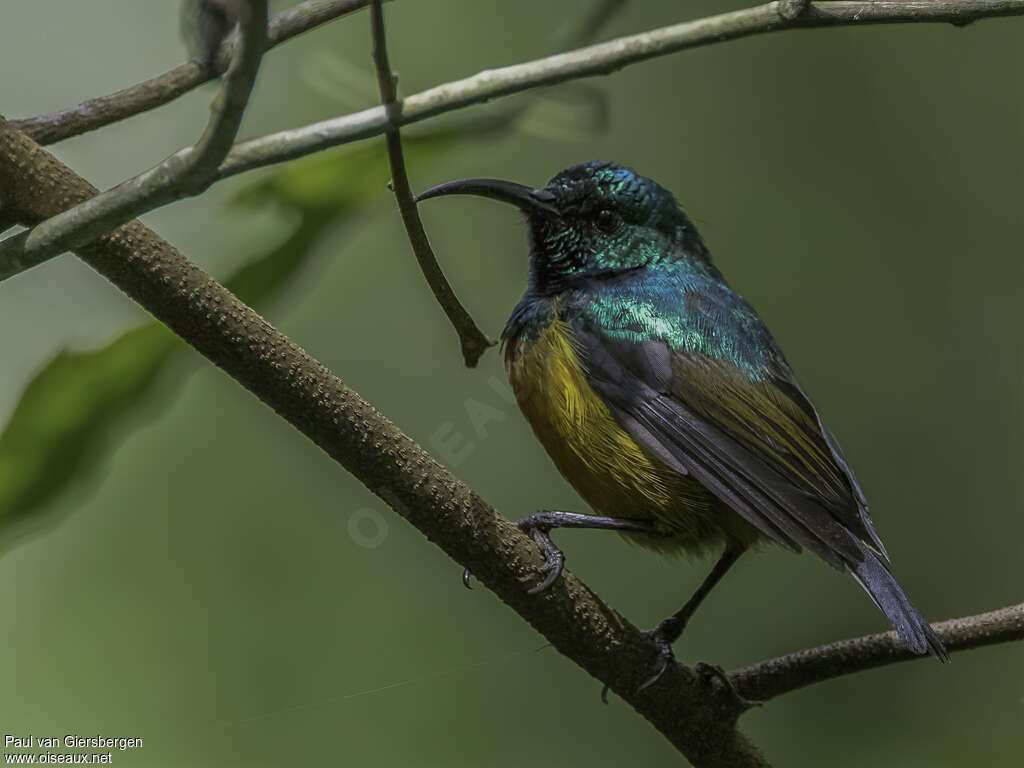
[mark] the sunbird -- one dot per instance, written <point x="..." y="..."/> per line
<point x="661" y="396"/>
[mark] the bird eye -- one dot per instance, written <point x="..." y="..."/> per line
<point x="607" y="220"/>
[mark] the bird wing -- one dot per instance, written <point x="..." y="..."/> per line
<point x="757" y="443"/>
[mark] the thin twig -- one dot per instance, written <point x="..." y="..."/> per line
<point x="771" y="678"/>
<point x="599" y="59"/>
<point x="166" y="87"/>
<point x="186" y="173"/>
<point x="473" y="341"/>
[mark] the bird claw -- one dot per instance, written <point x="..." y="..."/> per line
<point x="708" y="671"/>
<point x="553" y="566"/>
<point x="538" y="528"/>
<point x="665" y="656"/>
<point x="554" y="558"/>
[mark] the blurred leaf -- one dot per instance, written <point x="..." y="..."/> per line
<point x="66" y="411"/>
<point x="326" y="182"/>
<point x="62" y="426"/>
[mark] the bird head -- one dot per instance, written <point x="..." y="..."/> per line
<point x="591" y="221"/>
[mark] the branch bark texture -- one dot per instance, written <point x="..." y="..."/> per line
<point x="772" y="678"/>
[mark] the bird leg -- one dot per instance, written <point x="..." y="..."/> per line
<point x="540" y="524"/>
<point x="668" y="631"/>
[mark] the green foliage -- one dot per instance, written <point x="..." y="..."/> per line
<point x="67" y="409"/>
<point x="67" y="415"/>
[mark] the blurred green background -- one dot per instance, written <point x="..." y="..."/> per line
<point x="212" y="583"/>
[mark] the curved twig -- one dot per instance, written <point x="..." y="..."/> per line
<point x="593" y="60"/>
<point x="164" y="88"/>
<point x="602" y="59"/>
<point x="473" y="341"/>
<point x="186" y="173"/>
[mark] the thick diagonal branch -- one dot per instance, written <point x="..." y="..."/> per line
<point x="472" y="340"/>
<point x="699" y="720"/>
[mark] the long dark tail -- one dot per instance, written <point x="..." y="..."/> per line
<point x="914" y="631"/>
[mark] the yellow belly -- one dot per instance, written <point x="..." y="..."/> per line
<point x="614" y="474"/>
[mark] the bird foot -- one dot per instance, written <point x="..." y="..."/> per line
<point x="708" y="672"/>
<point x="538" y="526"/>
<point x="665" y="656"/>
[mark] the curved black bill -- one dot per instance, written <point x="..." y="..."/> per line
<point x="525" y="198"/>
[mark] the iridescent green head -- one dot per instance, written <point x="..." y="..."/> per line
<point x="591" y="221"/>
